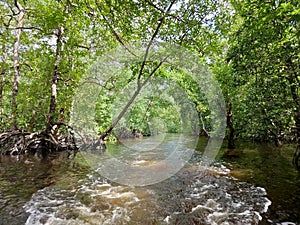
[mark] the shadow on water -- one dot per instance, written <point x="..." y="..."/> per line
<point x="22" y="176"/>
<point x="269" y="167"/>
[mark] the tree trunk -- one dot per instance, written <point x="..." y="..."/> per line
<point x="140" y="75"/>
<point x="32" y="121"/>
<point x="122" y="113"/>
<point x="14" y="104"/>
<point x="1" y="91"/>
<point x="140" y="85"/>
<point x="57" y="60"/>
<point x="296" y="100"/>
<point x="203" y="125"/>
<point x="293" y="83"/>
<point x="296" y="159"/>
<point x="2" y="82"/>
<point x="230" y="127"/>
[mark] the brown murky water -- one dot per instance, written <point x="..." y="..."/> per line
<point x="255" y="184"/>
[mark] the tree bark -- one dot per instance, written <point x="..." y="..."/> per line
<point x="2" y="82"/>
<point x="294" y="91"/>
<point x="57" y="60"/>
<point x="1" y="91"/>
<point x="14" y="105"/>
<point x="32" y="121"/>
<point x="293" y="83"/>
<point x="296" y="100"/>
<point x="203" y="125"/>
<point x="230" y="127"/>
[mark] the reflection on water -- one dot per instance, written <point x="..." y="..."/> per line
<point x="137" y="166"/>
<point x="270" y="167"/>
<point x="22" y="176"/>
<point x="60" y="191"/>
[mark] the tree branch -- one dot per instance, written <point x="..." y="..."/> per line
<point x="154" y="70"/>
<point x="160" y="23"/>
<point x="140" y="85"/>
<point x="162" y="10"/>
<point x="114" y="32"/>
<point x="24" y="28"/>
<point x="84" y="47"/>
<point x="117" y="36"/>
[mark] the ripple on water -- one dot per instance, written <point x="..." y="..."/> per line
<point x="91" y="203"/>
<point x="190" y="197"/>
<point x="207" y="198"/>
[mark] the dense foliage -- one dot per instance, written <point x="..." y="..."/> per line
<point x="264" y="70"/>
<point x="252" y="47"/>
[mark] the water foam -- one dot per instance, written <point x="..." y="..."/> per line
<point x="213" y="198"/>
<point x="187" y="198"/>
<point x="90" y="204"/>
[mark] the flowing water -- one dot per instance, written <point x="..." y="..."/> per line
<point x="255" y="184"/>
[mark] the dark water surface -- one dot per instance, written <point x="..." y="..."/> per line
<point x="254" y="184"/>
<point x="269" y="167"/>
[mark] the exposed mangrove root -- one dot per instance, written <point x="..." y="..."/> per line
<point x="20" y="142"/>
<point x="94" y="145"/>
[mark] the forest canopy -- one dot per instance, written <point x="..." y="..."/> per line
<point x="252" y="49"/>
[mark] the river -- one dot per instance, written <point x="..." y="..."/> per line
<point x="254" y="184"/>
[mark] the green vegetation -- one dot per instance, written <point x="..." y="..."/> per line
<point x="48" y="47"/>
